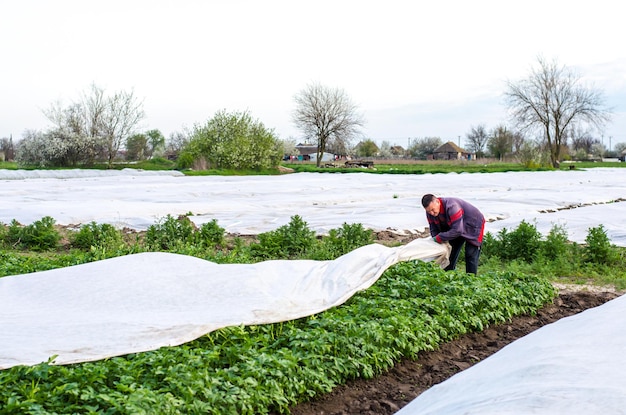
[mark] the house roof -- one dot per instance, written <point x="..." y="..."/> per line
<point x="449" y="147"/>
<point x="306" y="148"/>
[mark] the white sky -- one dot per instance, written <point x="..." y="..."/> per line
<point x="414" y="68"/>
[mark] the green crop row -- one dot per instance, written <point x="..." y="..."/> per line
<point x="414" y="306"/>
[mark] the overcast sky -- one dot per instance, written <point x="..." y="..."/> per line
<point x="414" y="68"/>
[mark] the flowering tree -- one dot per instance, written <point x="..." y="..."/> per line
<point x="234" y="141"/>
<point x="93" y="128"/>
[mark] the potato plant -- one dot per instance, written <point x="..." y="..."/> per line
<point x="259" y="369"/>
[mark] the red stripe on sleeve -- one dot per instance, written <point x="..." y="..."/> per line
<point x="456" y="216"/>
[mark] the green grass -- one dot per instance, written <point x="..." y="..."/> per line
<point x="8" y="165"/>
<point x="418" y="167"/>
<point x="384" y="166"/>
<point x="437" y="166"/>
<point x="230" y="172"/>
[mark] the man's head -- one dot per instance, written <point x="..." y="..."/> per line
<point x="431" y="204"/>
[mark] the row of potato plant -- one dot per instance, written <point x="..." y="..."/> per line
<point x="259" y="369"/>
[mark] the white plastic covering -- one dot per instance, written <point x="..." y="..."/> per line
<point x="145" y="301"/>
<point x="572" y="367"/>
<point x="575" y="199"/>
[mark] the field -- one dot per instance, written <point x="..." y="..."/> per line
<point x="379" y="378"/>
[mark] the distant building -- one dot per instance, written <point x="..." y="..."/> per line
<point x="308" y="151"/>
<point x="450" y="151"/>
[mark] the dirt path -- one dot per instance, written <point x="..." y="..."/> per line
<point x="388" y="393"/>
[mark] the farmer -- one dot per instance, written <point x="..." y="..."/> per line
<point x="456" y="221"/>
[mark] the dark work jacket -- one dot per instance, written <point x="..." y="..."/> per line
<point x="457" y="218"/>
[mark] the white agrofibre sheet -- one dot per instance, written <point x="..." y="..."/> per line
<point x="576" y="200"/>
<point x="574" y="366"/>
<point x="145" y="301"/>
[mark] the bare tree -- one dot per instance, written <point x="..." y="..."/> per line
<point x="328" y="116"/>
<point x="582" y="141"/>
<point x="550" y="100"/>
<point x="477" y="139"/>
<point x="176" y="143"/>
<point x="122" y="113"/>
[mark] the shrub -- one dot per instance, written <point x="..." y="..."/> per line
<point x="556" y="243"/>
<point x="342" y="240"/>
<point x="170" y="232"/>
<point x="598" y="247"/>
<point x="97" y="236"/>
<point x="523" y="243"/>
<point x="211" y="233"/>
<point x="288" y="241"/>
<point x="41" y="235"/>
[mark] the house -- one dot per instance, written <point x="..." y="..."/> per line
<point x="308" y="151"/>
<point x="450" y="151"/>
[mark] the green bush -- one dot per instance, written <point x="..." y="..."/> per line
<point x="341" y="241"/>
<point x="523" y="243"/>
<point x="211" y="234"/>
<point x="288" y="241"/>
<point x="598" y="248"/>
<point x="96" y="236"/>
<point x="169" y="233"/>
<point x="556" y="243"/>
<point x="41" y="235"/>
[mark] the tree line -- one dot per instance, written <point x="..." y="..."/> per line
<point x="553" y="117"/>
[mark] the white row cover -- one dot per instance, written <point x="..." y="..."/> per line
<point x="251" y="205"/>
<point x="145" y="301"/>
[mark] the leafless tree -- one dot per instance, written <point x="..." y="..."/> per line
<point x="477" y="139"/>
<point x="328" y="116"/>
<point x="582" y="140"/>
<point x="120" y="117"/>
<point x="176" y="143"/>
<point x="550" y="100"/>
